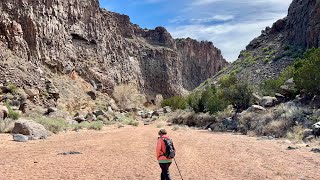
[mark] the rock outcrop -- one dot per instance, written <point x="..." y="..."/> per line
<point x="102" y="47"/>
<point x="276" y="48"/>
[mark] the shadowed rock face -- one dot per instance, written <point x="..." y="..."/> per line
<point x="104" y="47"/>
<point x="303" y="23"/>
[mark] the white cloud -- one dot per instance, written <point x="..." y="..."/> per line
<point x="231" y="38"/>
<point x="229" y="24"/>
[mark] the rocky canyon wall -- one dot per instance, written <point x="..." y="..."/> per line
<point x="103" y="47"/>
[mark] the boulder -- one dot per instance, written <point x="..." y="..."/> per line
<point x="289" y="86"/>
<point x="79" y="119"/>
<point x="32" y="92"/>
<point x="167" y="109"/>
<point x="140" y="113"/>
<point x="113" y="105"/>
<point x="52" y="90"/>
<point x="316" y="129"/>
<point x="257" y="98"/>
<point x="51" y="110"/>
<point x="268" y="101"/>
<point x="91" y="117"/>
<point x="99" y="113"/>
<point x="256" y="108"/>
<point x="3" y="112"/>
<point x="307" y="133"/>
<point x="280" y="97"/>
<point x="92" y="94"/>
<point x="20" y="137"/>
<point x="30" y="128"/>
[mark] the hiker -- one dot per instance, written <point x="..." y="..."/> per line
<point x="165" y="153"/>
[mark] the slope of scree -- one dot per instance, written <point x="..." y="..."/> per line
<point x="277" y="47"/>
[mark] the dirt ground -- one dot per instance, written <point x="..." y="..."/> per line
<point x="129" y="153"/>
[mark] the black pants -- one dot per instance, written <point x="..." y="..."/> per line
<point x="165" y="175"/>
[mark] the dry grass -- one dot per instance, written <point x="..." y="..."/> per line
<point x="191" y="118"/>
<point x="127" y="96"/>
<point x="6" y="125"/>
<point x="296" y="133"/>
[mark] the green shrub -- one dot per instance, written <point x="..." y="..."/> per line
<point x="213" y="100"/>
<point x="176" y="102"/>
<point x="97" y="125"/>
<point x="52" y="125"/>
<point x="194" y="102"/>
<point x="12" y="114"/>
<point x="217" y="103"/>
<point x="272" y="86"/>
<point x="307" y="76"/>
<point x="131" y="122"/>
<point x="12" y="88"/>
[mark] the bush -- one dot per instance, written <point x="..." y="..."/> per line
<point x="176" y="102"/>
<point x="12" y="114"/>
<point x="192" y="119"/>
<point x="12" y="88"/>
<point x="271" y="87"/>
<point x="127" y="96"/>
<point x="194" y="101"/>
<point x="131" y="122"/>
<point x="52" y="125"/>
<point x="6" y="125"/>
<point x="307" y="76"/>
<point x="213" y="100"/>
<point x="296" y="133"/>
<point x="96" y="125"/>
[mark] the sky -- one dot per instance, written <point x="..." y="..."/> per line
<point x="229" y="24"/>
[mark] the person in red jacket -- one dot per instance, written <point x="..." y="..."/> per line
<point x="164" y="162"/>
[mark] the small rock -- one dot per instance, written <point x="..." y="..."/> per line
<point x="257" y="108"/>
<point x="51" y="110"/>
<point x="292" y="148"/>
<point x="91" y="117"/>
<point x="99" y="113"/>
<point x="315" y="150"/>
<point x="70" y="153"/>
<point x="20" y="138"/>
<point x="79" y="119"/>
<point x="167" y="109"/>
<point x="32" y="92"/>
<point x="92" y="94"/>
<point x="307" y="133"/>
<point x="268" y="101"/>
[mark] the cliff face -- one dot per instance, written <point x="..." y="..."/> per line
<point x="303" y="24"/>
<point x="103" y="47"/>
<point x="199" y="61"/>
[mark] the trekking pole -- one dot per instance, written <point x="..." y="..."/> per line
<point x="178" y="168"/>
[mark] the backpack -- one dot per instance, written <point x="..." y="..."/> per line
<point x="170" y="151"/>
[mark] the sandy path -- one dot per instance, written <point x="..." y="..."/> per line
<point x="128" y="153"/>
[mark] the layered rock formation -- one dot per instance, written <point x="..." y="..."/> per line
<point x="103" y="47"/>
<point x="199" y="61"/>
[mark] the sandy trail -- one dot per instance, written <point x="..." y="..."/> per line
<point x="129" y="153"/>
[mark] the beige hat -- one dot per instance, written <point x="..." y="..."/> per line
<point x="162" y="132"/>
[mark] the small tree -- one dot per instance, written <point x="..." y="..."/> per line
<point x="307" y="73"/>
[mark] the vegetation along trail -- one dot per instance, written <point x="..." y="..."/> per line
<point x="129" y="153"/>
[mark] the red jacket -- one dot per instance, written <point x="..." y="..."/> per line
<point x="161" y="149"/>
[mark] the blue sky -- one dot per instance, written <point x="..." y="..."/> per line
<point x="229" y="24"/>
